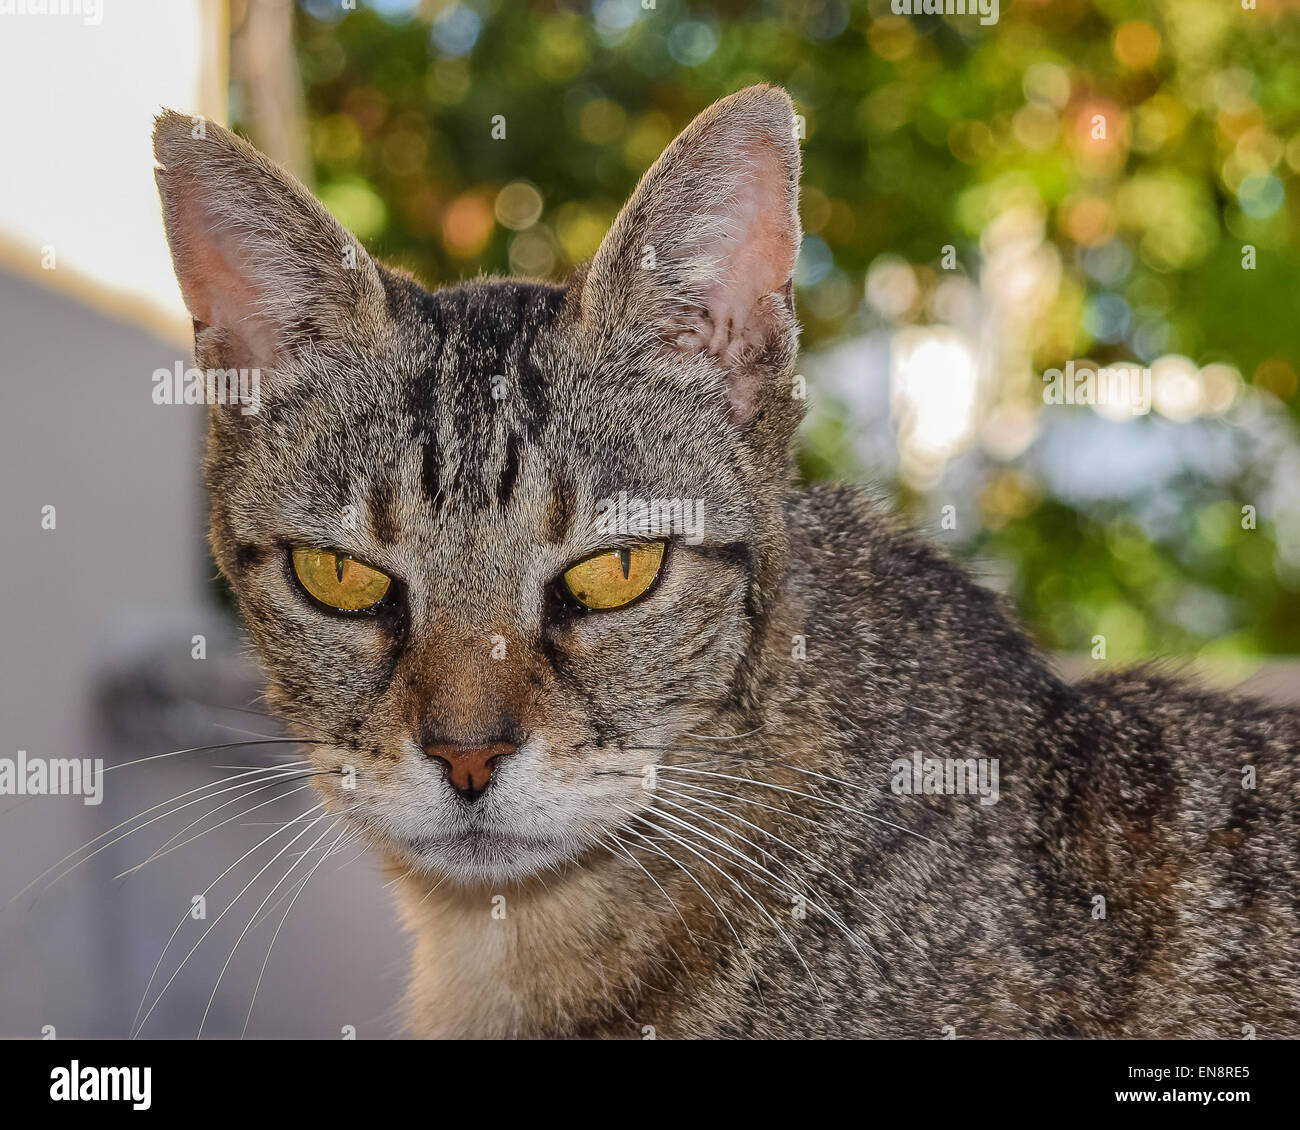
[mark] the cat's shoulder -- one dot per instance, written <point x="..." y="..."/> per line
<point x="1192" y="715"/>
<point x="857" y="564"/>
<point x="843" y="519"/>
<point x="853" y="531"/>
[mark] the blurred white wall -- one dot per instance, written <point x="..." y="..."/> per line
<point x="78" y="210"/>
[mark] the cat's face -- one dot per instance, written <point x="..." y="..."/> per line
<point x="487" y="718"/>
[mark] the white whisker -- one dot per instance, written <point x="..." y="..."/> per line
<point x="730" y="879"/>
<point x="749" y="961"/>
<point x="796" y="792"/>
<point x="265" y="899"/>
<point x="131" y="819"/>
<point x="302" y="816"/>
<point x="166" y="850"/>
<point x="301" y="887"/>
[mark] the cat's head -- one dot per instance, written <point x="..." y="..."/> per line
<point x="401" y="515"/>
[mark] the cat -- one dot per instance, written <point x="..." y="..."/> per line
<point x="633" y="784"/>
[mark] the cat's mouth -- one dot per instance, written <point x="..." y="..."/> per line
<point x="478" y="855"/>
<point x="477" y="838"/>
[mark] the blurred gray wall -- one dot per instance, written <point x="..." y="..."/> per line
<point x="120" y="584"/>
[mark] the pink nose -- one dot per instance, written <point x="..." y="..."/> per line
<point x="469" y="768"/>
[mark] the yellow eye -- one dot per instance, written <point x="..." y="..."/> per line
<point x="338" y="580"/>
<point x="616" y="577"/>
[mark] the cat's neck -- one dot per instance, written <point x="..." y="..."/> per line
<point x="559" y="957"/>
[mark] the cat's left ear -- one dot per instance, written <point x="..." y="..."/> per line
<point x="265" y="270"/>
<point x="700" y="260"/>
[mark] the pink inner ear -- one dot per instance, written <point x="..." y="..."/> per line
<point x="214" y="278"/>
<point x="758" y="254"/>
<point x="755" y="258"/>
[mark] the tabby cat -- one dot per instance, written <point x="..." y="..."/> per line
<point x="636" y="776"/>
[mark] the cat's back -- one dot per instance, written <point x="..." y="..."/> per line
<point x="1228" y="767"/>
<point x="1221" y="890"/>
<point x="898" y="615"/>
<point x="1164" y="818"/>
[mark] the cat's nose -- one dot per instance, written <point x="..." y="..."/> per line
<point x="469" y="768"/>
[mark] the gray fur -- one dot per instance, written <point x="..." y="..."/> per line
<point x="384" y="433"/>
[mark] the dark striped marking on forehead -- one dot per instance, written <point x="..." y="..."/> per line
<point x="481" y="394"/>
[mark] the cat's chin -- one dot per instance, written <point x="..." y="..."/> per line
<point x="478" y="858"/>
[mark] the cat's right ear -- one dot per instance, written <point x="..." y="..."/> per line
<point x="264" y="269"/>
<point x="699" y="263"/>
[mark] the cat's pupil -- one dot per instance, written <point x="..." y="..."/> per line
<point x="339" y="559"/>
<point x="625" y="558"/>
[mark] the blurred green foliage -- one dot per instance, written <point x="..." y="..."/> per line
<point x="920" y="132"/>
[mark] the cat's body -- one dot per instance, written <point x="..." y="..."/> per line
<point x="682" y="812"/>
<point x="1125" y="786"/>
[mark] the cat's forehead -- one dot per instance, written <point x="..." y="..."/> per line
<point x="500" y="389"/>
<point x="481" y="329"/>
<point x="486" y="422"/>
<point x="466" y="378"/>
<point x="502" y="407"/>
